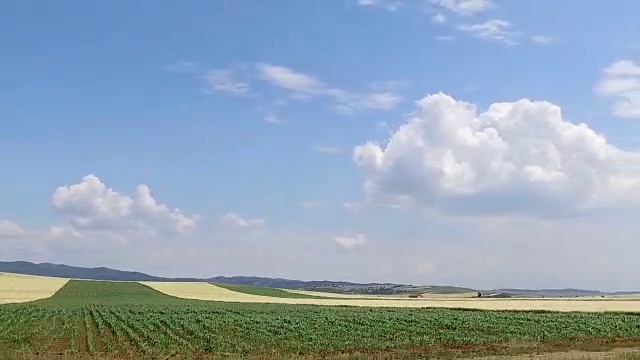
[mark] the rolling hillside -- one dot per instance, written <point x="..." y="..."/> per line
<point x="344" y="287"/>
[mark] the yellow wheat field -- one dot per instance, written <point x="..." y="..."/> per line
<point x="16" y="288"/>
<point x="204" y="291"/>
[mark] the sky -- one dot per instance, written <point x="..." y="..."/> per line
<point x="479" y="143"/>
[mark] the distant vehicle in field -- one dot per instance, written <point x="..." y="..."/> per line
<point x="416" y="295"/>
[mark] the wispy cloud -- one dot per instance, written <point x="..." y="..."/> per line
<point x="350" y="242"/>
<point x="289" y="79"/>
<point x="543" y="40"/>
<point x="391" y="5"/>
<point x="273" y="119"/>
<point x="231" y="80"/>
<point x="493" y="30"/>
<point x="308" y="87"/>
<point x="10" y="229"/>
<point x="438" y="19"/>
<point x="445" y="37"/>
<point x="227" y="81"/>
<point x="465" y="7"/>
<point x="621" y="81"/>
<point x="380" y="101"/>
<point x="240" y="80"/>
<point x="238" y="221"/>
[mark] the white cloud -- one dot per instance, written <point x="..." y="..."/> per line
<point x="350" y="242"/>
<point x="380" y="101"/>
<point x="291" y="80"/>
<point x="516" y="157"/>
<point x="542" y="39"/>
<point x="621" y="81"/>
<point x="568" y="248"/>
<point x="62" y="232"/>
<point x="230" y="80"/>
<point x="238" y="80"/>
<point x="10" y="230"/>
<point x="438" y="19"/>
<point x="18" y="242"/>
<point x="227" y="81"/>
<point x="323" y="149"/>
<point x="273" y="119"/>
<point x="90" y="205"/>
<point x="391" y="5"/>
<point x="304" y="86"/>
<point x="451" y="255"/>
<point x="465" y="7"/>
<point x="238" y="221"/>
<point x="495" y="30"/>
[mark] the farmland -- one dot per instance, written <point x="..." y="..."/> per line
<point x="21" y="288"/>
<point x="131" y="320"/>
<point x="265" y="291"/>
<point x="210" y="292"/>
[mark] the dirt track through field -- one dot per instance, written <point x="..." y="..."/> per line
<point x="616" y="354"/>
<point x="204" y="291"/>
<point x="17" y="288"/>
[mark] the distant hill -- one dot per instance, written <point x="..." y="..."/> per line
<point x="343" y="287"/>
<point x="103" y="273"/>
<point x="552" y="292"/>
<point x="65" y="271"/>
<point x="323" y="285"/>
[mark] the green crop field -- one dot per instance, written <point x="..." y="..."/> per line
<point x="265" y="291"/>
<point x="132" y="321"/>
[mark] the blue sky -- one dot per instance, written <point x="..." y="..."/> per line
<point x="292" y="131"/>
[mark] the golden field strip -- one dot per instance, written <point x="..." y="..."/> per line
<point x="204" y="291"/>
<point x="16" y="288"/>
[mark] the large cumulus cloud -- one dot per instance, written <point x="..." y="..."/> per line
<point x="514" y="157"/>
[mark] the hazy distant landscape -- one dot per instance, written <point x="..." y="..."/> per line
<point x="102" y="273"/>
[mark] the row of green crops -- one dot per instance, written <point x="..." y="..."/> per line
<point x="90" y="317"/>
